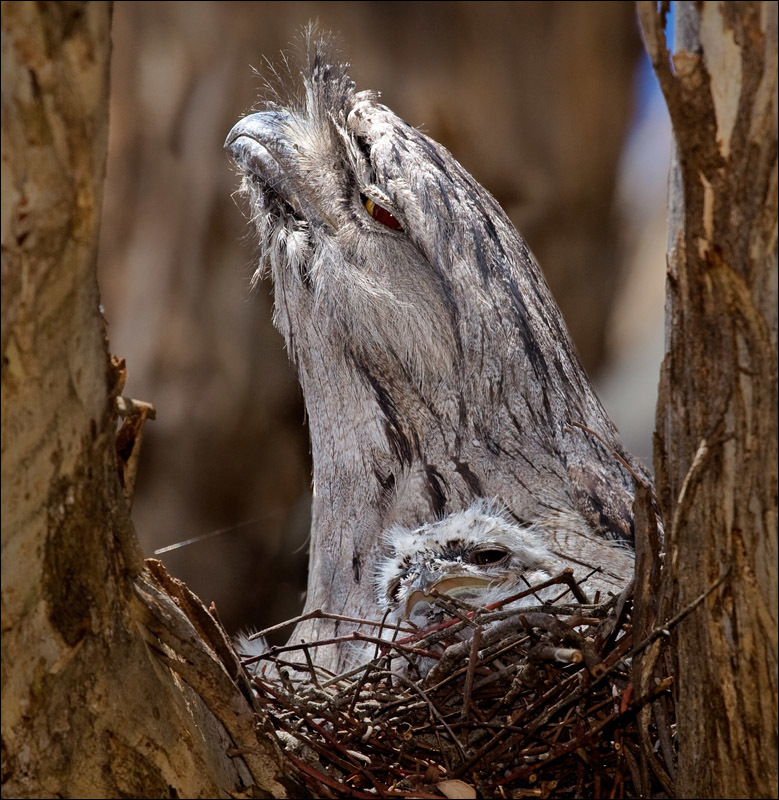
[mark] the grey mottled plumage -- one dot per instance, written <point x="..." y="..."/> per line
<point x="435" y="365"/>
<point x="481" y="555"/>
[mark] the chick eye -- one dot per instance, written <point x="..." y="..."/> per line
<point x="380" y="214"/>
<point x="487" y="556"/>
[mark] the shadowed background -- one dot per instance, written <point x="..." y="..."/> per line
<point x="547" y="104"/>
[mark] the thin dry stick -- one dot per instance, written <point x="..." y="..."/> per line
<point x="310" y="663"/>
<point x="574" y="586"/>
<point x="416" y="688"/>
<point x="636" y="477"/>
<point x="576" y="695"/>
<point x="319" y="614"/>
<point x="473" y="658"/>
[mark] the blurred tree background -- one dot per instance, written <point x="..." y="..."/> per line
<point x="548" y="104"/>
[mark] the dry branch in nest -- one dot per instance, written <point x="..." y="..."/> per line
<point x="493" y="702"/>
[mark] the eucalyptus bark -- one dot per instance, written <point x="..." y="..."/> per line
<point x="108" y="689"/>
<point x="716" y="439"/>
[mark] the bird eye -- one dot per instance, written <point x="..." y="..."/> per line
<point x="381" y="214"/>
<point x="487" y="556"/>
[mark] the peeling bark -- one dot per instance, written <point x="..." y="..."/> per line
<point x="716" y="439"/>
<point x="108" y="689"/>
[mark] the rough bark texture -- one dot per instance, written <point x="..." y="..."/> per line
<point x="716" y="441"/>
<point x="107" y="688"/>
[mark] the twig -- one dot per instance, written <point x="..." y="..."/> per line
<point x="570" y="581"/>
<point x="476" y="641"/>
<point x="419" y="690"/>
<point x="318" y="614"/>
<point x="310" y="663"/>
<point x="656" y="633"/>
<point x="636" y="477"/>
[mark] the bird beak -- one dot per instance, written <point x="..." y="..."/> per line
<point x="264" y="128"/>
<point x="258" y="146"/>
<point x="450" y="586"/>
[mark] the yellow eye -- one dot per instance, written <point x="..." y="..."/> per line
<point x="380" y="214"/>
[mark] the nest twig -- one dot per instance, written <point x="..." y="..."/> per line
<point x="493" y="702"/>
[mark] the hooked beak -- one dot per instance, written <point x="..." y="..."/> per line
<point x="258" y="145"/>
<point x="449" y="586"/>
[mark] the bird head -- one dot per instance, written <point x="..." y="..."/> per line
<point x="477" y="556"/>
<point x="378" y="239"/>
<point x="349" y="230"/>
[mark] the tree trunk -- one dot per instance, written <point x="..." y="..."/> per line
<point x="108" y="689"/>
<point x="716" y="440"/>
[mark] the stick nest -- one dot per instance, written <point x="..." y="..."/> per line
<point x="557" y="700"/>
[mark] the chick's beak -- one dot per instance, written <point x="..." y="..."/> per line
<point x="425" y="591"/>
